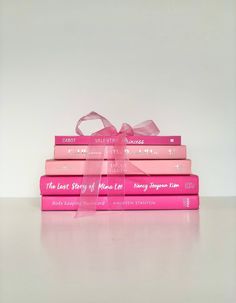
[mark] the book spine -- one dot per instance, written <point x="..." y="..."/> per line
<point x="131" y="167"/>
<point x="114" y="185"/>
<point x="110" y="140"/>
<point x="65" y="203"/>
<point x="132" y="151"/>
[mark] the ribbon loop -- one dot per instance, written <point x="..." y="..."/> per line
<point x="108" y="129"/>
<point x="146" y="128"/>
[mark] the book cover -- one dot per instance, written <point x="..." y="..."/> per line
<point x="128" y="167"/>
<point x="115" y="185"/>
<point x="109" y="152"/>
<point x="110" y="140"/>
<point x="65" y="203"/>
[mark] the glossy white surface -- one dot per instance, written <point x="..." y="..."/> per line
<point x="162" y="256"/>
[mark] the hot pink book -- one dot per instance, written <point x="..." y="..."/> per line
<point x="109" y="152"/>
<point x="110" y="140"/>
<point x="123" y="203"/>
<point x="131" y="167"/>
<point x="114" y="185"/>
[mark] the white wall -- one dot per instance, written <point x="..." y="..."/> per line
<point x="171" y="61"/>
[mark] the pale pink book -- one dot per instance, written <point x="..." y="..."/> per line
<point x="131" y="167"/>
<point x="110" y="140"/>
<point x="131" y="151"/>
<point x="116" y="185"/>
<point x="65" y="203"/>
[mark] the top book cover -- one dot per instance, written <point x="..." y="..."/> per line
<point x="111" y="140"/>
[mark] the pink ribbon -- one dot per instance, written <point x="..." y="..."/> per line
<point x="145" y="128"/>
<point x="88" y="196"/>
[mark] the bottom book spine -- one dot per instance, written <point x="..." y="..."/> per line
<point x="65" y="203"/>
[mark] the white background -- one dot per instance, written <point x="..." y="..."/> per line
<point x="170" y="61"/>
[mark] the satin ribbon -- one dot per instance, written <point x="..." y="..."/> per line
<point x="88" y="196"/>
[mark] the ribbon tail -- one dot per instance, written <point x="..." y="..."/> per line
<point x="116" y="171"/>
<point x="88" y="198"/>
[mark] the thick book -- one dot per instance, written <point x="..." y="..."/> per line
<point x="127" y="167"/>
<point x="109" y="152"/>
<point x="115" y="185"/>
<point x="123" y="203"/>
<point x="111" y="140"/>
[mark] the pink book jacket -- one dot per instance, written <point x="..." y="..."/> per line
<point x="64" y="203"/>
<point x="80" y="152"/>
<point x="116" y="185"/>
<point x="131" y="167"/>
<point x="110" y="140"/>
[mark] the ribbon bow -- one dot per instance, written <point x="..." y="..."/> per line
<point x="88" y="197"/>
<point x="145" y="128"/>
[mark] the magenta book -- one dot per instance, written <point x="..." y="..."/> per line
<point x="110" y="152"/>
<point x="111" y="140"/>
<point x="114" y="185"/>
<point x="128" y="167"/>
<point x="123" y="203"/>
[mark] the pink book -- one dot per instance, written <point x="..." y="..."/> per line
<point x="123" y="203"/>
<point x="114" y="185"/>
<point x="131" y="167"/>
<point x="110" y="140"/>
<point x="109" y="152"/>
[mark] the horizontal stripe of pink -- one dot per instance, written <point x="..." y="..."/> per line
<point x="125" y="203"/>
<point x="134" y="185"/>
<point x="132" y="151"/>
<point x="132" y="167"/>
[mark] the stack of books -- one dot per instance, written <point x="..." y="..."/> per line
<point x="157" y="174"/>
